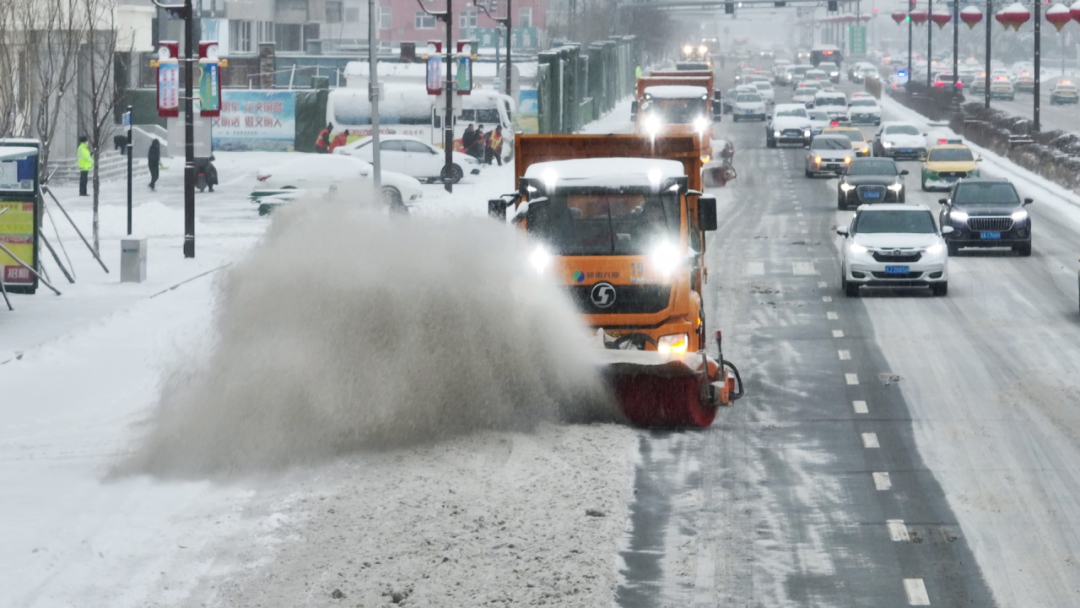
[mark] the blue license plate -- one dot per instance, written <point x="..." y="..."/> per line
<point x="897" y="269"/>
<point x="905" y="150"/>
<point x="871" y="194"/>
<point x="990" y="235"/>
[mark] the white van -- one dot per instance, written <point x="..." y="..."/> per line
<point x="407" y="109"/>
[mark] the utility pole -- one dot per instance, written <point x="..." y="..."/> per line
<point x="910" y="35"/>
<point x="929" y="41"/>
<point x="1038" y="64"/>
<point x="373" y="96"/>
<point x="505" y="22"/>
<point x="956" y="54"/>
<point x="189" y="132"/>
<point x="448" y="91"/>
<point x="127" y="148"/>
<point x="988" y="19"/>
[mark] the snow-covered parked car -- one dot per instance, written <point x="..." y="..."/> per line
<point x="314" y="173"/>
<point x="412" y="157"/>
<point x="864" y="111"/>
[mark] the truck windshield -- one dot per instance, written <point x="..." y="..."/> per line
<point x="677" y="111"/>
<point x="605" y="223"/>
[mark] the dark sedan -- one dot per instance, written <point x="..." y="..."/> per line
<point x="986" y="212"/>
<point x="870" y="180"/>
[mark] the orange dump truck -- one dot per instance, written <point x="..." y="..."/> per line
<point x="621" y="221"/>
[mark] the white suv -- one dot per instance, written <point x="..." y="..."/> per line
<point x="894" y="245"/>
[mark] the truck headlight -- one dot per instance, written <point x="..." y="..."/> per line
<point x="700" y="124"/>
<point x="665" y="258"/>
<point x="652" y="125"/>
<point x="673" y="344"/>
<point x="540" y="259"/>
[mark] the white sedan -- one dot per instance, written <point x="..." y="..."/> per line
<point x="749" y="106"/>
<point x="894" y="245"/>
<point x="304" y="173"/>
<point x="766" y="91"/>
<point x="411" y="156"/>
<point x="864" y="111"/>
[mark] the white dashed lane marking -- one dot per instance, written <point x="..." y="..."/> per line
<point x="882" y="482"/>
<point x="852" y="379"/>
<point x="832" y="316"/>
<point x="755" y="268"/>
<point x="823" y="285"/>
<point x="803" y="268"/>
<point x="916" y="592"/>
<point x="898" y="531"/>
<point x="845" y="355"/>
<point x="838" y="333"/>
<point x="869" y="441"/>
<point x="825" y="298"/>
<point x="860" y="407"/>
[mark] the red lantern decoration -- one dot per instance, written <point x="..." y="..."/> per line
<point x="1002" y="18"/>
<point x="972" y="15"/>
<point x="1016" y="15"/>
<point x="1074" y="10"/>
<point x="941" y="19"/>
<point x="899" y="16"/>
<point x="918" y="16"/>
<point x="1058" y="15"/>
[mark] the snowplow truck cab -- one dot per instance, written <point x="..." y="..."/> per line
<point x="621" y="222"/>
<point x="668" y="105"/>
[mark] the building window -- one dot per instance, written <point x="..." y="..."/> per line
<point x="352" y="15"/>
<point x="335" y="12"/>
<point x="525" y="17"/>
<point x="385" y="18"/>
<point x="288" y="36"/>
<point x="265" y="31"/>
<point x="424" y="21"/>
<point x="467" y="19"/>
<point x="239" y="36"/>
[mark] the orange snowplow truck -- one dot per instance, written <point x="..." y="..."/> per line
<point x="621" y="222"/>
<point x="676" y="102"/>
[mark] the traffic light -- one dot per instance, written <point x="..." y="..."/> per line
<point x="729" y="8"/>
<point x="832" y="6"/>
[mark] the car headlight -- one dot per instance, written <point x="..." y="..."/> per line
<point x="540" y="259"/>
<point x="857" y="248"/>
<point x="675" y="344"/>
<point x="847" y="187"/>
<point x="776" y="133"/>
<point x="886" y="144"/>
<point x="806" y="133"/>
<point x="652" y="125"/>
<point x="958" y="216"/>
<point x="897" y="187"/>
<point x="665" y="258"/>
<point x="1019" y="216"/>
<point x="935" y="249"/>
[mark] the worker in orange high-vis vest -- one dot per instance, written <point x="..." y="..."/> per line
<point x="340" y="140"/>
<point x="322" y="142"/>
<point x="494" y="146"/>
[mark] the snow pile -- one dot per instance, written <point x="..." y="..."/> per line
<point x="345" y="330"/>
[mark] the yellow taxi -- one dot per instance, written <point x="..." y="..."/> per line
<point x="858" y="140"/>
<point x="946" y="164"/>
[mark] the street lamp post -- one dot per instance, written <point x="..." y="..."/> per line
<point x="1038" y="62"/>
<point x="956" y="54"/>
<point x="910" y="32"/>
<point x="448" y="90"/>
<point x="505" y="22"/>
<point x="929" y="41"/>
<point x="989" y="12"/>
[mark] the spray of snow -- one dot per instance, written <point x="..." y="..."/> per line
<point x="347" y="330"/>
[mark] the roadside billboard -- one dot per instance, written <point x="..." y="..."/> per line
<point x="255" y="120"/>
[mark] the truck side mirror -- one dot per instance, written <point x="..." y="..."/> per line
<point x="706" y="213"/>
<point x="497" y="209"/>
<point x="633" y="111"/>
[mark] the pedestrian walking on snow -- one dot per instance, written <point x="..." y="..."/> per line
<point x="153" y="162"/>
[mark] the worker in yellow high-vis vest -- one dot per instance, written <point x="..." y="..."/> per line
<point x="86" y="163"/>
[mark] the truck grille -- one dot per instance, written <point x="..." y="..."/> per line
<point x="905" y="257"/>
<point x="990" y="224"/>
<point x="862" y="190"/>
<point x="629" y="299"/>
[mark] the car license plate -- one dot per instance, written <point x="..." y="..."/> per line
<point x="871" y="194"/>
<point x="897" y="269"/>
<point x="905" y="150"/>
<point x="990" y="235"/>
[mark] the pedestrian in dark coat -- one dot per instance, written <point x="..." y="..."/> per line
<point x="153" y="161"/>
